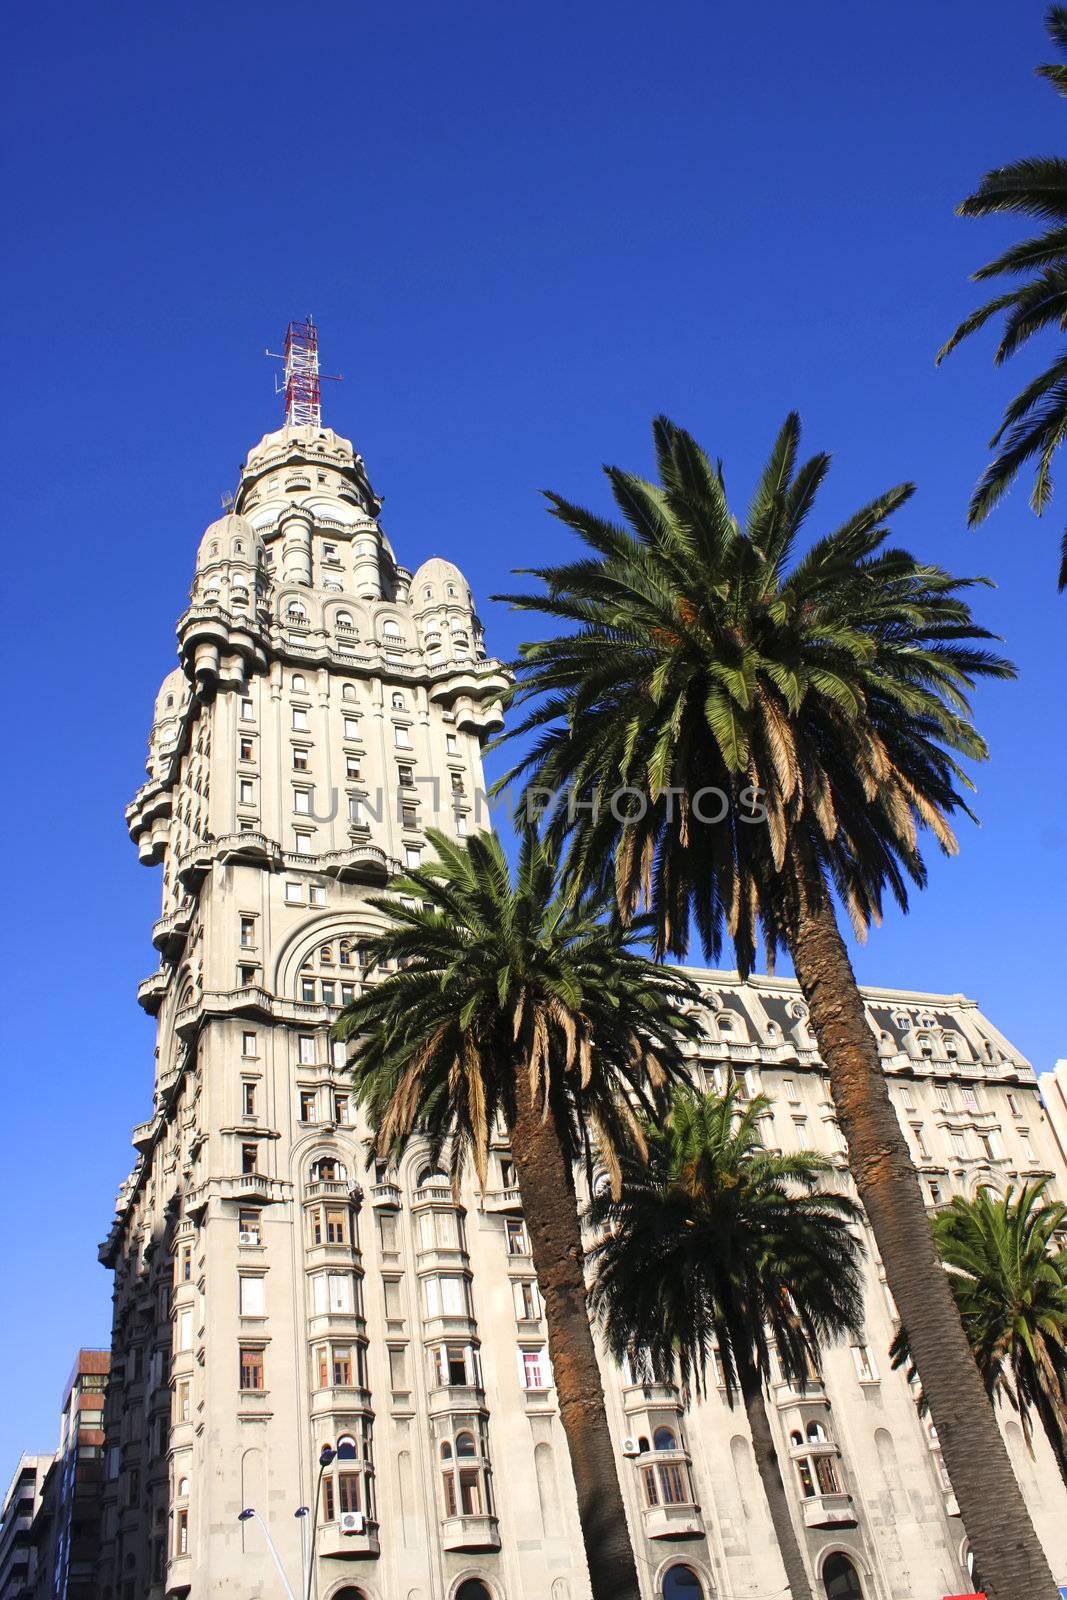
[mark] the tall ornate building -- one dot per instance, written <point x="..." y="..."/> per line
<point x="274" y="1296"/>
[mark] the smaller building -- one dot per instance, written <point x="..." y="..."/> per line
<point x="21" y="1504"/>
<point x="50" y="1532"/>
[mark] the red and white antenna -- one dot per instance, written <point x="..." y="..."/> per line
<point x="303" y="407"/>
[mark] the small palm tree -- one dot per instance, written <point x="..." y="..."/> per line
<point x="509" y="1000"/>
<point x="1009" y="1278"/>
<point x="744" y="737"/>
<point x="1035" y="423"/>
<point x="716" y="1248"/>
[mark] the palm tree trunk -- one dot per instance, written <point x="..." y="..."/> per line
<point x="546" y="1184"/>
<point x="770" y="1470"/>
<point x="1005" y="1546"/>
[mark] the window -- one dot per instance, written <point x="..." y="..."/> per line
<point x="329" y="553"/>
<point x="303" y="843"/>
<point x="944" y="1097"/>
<point x="907" y="1099"/>
<point x="327" y="1500"/>
<point x="299" y="682"/>
<point x="682" y="1583"/>
<point x="185" y="1263"/>
<point x="333" y="1293"/>
<point x="248" y="1099"/>
<point x="351" y="766"/>
<point x="405" y="776"/>
<point x="1013" y="1105"/>
<point x="803" y="1136"/>
<point x="251" y="1368"/>
<point x="515" y="1234"/>
<point x="666" y="1484"/>
<point x="248" y="933"/>
<point x="317" y="894"/>
<point x="341" y="1105"/>
<point x="840" y="1579"/>
<point x="307" y="991"/>
<point x="248" y="1158"/>
<point x="329" y="1225"/>
<point x="412" y="855"/>
<point x="307" y="1106"/>
<point x="248" y="1044"/>
<point x="246" y="750"/>
<point x="935" y="1193"/>
<point x="451" y="744"/>
<point x="183" y="1405"/>
<point x="306" y="1051"/>
<point x="863" y="1361"/>
<point x="959" y="1146"/>
<point x="247" y="976"/>
<point x="181" y="1531"/>
<point x="301" y="721"/>
<point x="527" y="1301"/>
<point x="248" y="1223"/>
<point x="445" y="1297"/>
<point x="247" y="711"/>
<point x="970" y="1099"/>
<point x="351" y="727"/>
<point x="533" y="1367"/>
<point x="252" y="1297"/>
<point x="402" y="736"/>
<point x="409" y="816"/>
<point x="357" y="814"/>
<point x="920" y="1142"/>
<point x="302" y="802"/>
<point x="789" y="1089"/>
<point x="300" y="759"/>
<point x="294" y="894"/>
<point x="246" y="792"/>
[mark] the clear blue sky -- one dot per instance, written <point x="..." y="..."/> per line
<point x="523" y="229"/>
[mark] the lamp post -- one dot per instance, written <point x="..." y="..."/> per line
<point x="327" y="1455"/>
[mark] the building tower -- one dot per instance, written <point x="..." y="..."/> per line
<point x="274" y="1296"/>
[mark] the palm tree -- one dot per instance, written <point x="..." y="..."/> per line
<point x="1009" y="1278"/>
<point x="718" y="1246"/>
<point x="737" y="738"/>
<point x="509" y="1000"/>
<point x="1035" y="422"/>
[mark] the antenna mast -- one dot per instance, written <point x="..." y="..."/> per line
<point x="303" y="407"/>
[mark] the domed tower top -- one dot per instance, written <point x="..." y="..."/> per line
<point x="231" y="538"/>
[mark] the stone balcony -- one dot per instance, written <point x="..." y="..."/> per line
<point x="502" y="1201"/>
<point x="385" y="1196"/>
<point x="142" y="1135"/>
<point x="829" y="1511"/>
<point x="170" y="932"/>
<point x="150" y="991"/>
<point x="334" y="1542"/>
<point x="194" y="866"/>
<point x="639" y="1396"/>
<point x="332" y="1189"/>
<point x="672" y="1522"/>
<point x="251" y="849"/>
<point x="470" y="1533"/>
<point x="456" y="1397"/>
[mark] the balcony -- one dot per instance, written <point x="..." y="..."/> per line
<point x="250" y="849"/>
<point x="360" y="863"/>
<point x="456" y="1397"/>
<point x="787" y="1394"/>
<point x="385" y="1196"/>
<point x="453" y="1329"/>
<point x="150" y="991"/>
<point x="194" y="866"/>
<point x="470" y="1533"/>
<point x="829" y="1511"/>
<point x="502" y="1201"/>
<point x="142" y="1135"/>
<point x="338" y="1545"/>
<point x="638" y="1397"/>
<point x="341" y="1399"/>
<point x="332" y="1189"/>
<point x="672" y="1522"/>
<point x="169" y="933"/>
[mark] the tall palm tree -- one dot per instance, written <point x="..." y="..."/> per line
<point x="741" y="736"/>
<point x="1035" y="423"/>
<point x="716" y="1247"/>
<point x="1009" y="1278"/>
<point x="509" y="999"/>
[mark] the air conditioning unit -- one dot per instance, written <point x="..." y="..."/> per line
<point x="246" y="1238"/>
<point x="630" y="1447"/>
<point x="352" y="1522"/>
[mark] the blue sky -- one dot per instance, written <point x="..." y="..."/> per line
<point x="523" y="230"/>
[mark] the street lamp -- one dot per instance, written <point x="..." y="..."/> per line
<point x="327" y="1456"/>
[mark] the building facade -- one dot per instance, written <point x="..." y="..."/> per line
<point x="50" y="1532"/>
<point x="273" y="1295"/>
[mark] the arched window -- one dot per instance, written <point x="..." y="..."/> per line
<point x="348" y="692"/>
<point x="299" y="682"/>
<point x="327" y="1170"/>
<point x="446" y="1450"/>
<point x="326" y="955"/>
<point x="664" y="1439"/>
<point x="349" y="1593"/>
<point x="344" y="619"/>
<point x="344" y="953"/>
<point x="642" y="1444"/>
<point x="430" y="1175"/>
<point x="796" y="1438"/>
<point x="239" y="598"/>
<point x="816" y="1433"/>
<point x="398" y="702"/>
<point x="296" y="612"/>
<point x="347" y="1449"/>
<point x="840" y="1578"/>
<point x="473" y="1589"/>
<point x="465" y="1445"/>
<point x="682" y="1583"/>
